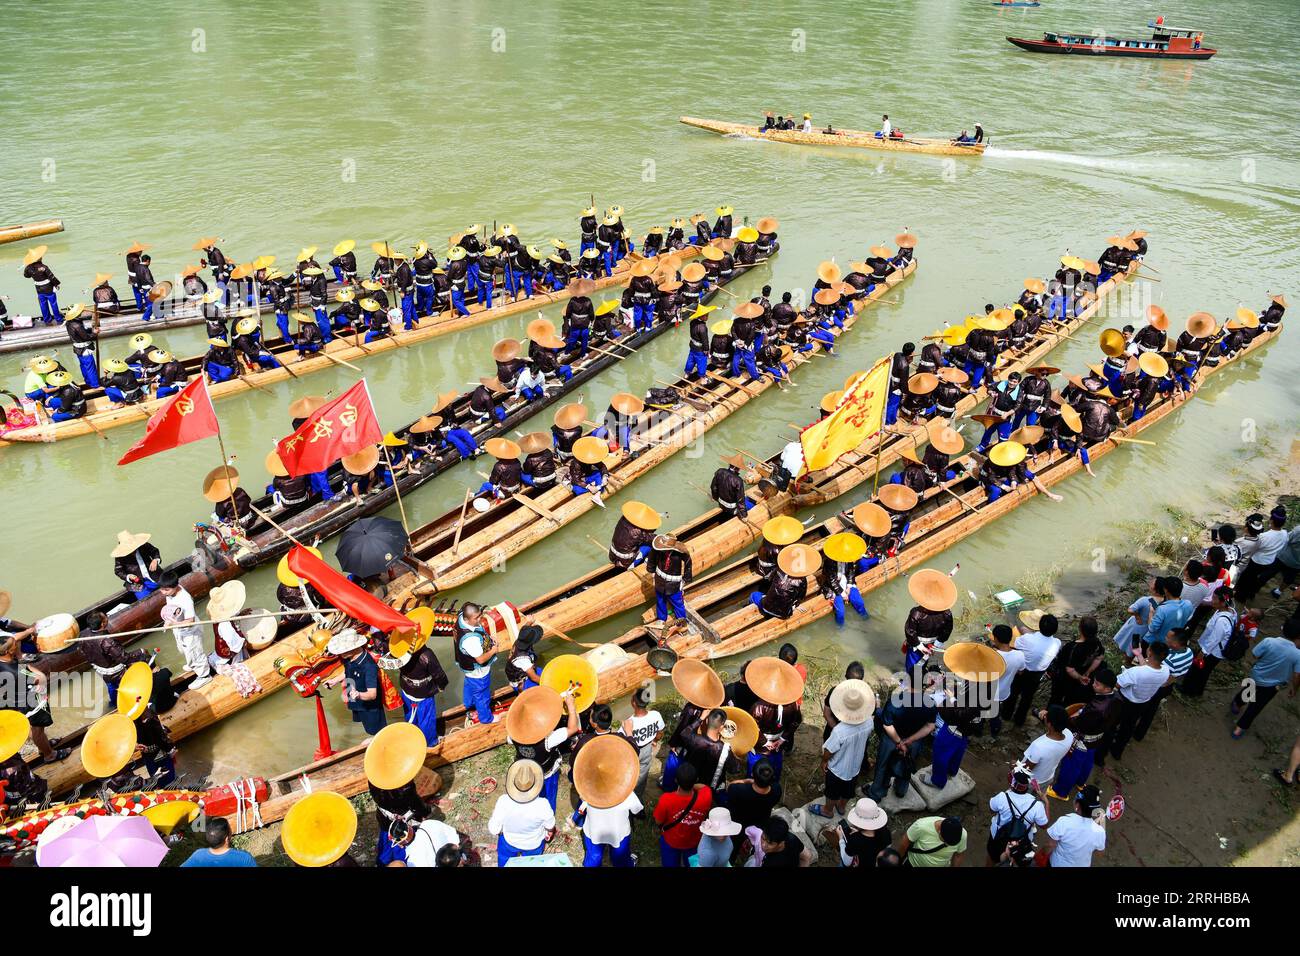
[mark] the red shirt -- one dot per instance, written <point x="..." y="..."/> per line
<point x="686" y="834"/>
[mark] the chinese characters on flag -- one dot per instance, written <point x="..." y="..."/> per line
<point x="333" y="431"/>
<point x="187" y="416"/>
<point x="859" y="415"/>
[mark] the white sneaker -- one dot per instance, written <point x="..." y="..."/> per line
<point x="199" y="682"/>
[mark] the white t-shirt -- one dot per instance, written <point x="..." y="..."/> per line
<point x="612" y="825"/>
<point x="1015" y="662"/>
<point x="1039" y="649"/>
<point x="886" y="127"/>
<point x="185" y="603"/>
<point x="1270" y="543"/>
<point x="1046" y="755"/>
<point x="645" y="729"/>
<point x="1217" y="631"/>
<point x="472" y="644"/>
<point x="1139" y="684"/>
<point x="1076" y="839"/>
<point x="1007" y="806"/>
<point x="524" y="825"/>
<point x="846" y="745"/>
<point x="430" y="837"/>
<point x="807" y="126"/>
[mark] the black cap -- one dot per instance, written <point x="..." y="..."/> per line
<point x="1089" y="797"/>
<point x="776" y="830"/>
<point x="909" y="348"/>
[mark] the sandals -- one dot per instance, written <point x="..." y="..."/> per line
<point x="1238" y="733"/>
<point x="1281" y="778"/>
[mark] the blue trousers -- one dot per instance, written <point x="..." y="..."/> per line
<point x="675" y="601"/>
<point x="1074" y="770"/>
<point x="506" y="853"/>
<point x="89" y="370"/>
<point x="1022" y="415"/>
<point x="551" y="784"/>
<point x="319" y="482"/>
<point x="147" y="314"/>
<point x="424" y="714"/>
<point x="643" y="315"/>
<point x="746" y="358"/>
<point x="110" y="686"/>
<point x="673" y="857"/>
<point x="408" y="311"/>
<point x="458" y="301"/>
<point x="887" y="758"/>
<point x="462" y="441"/>
<point x="49" y="303"/>
<point x="855" y="599"/>
<point x="668" y="781"/>
<point x="282" y="323"/>
<point x="608" y="259"/>
<point x="167" y="765"/>
<point x="620" y="855"/>
<point x="949" y="749"/>
<point x="697" y="364"/>
<point x="891" y="407"/>
<point x="1003" y="432"/>
<point x="532" y="394"/>
<point x="472" y="274"/>
<point x="388" y="852"/>
<point x="375" y="335"/>
<point x="424" y="299"/>
<point x="476" y="695"/>
<point x="826" y="338"/>
<point x="139" y="298"/>
<point x="586" y="244"/>
<point x="976" y="372"/>
<point x="219" y="373"/>
<point x="322" y="323"/>
<point x="578" y="338"/>
<point x="484" y="289"/>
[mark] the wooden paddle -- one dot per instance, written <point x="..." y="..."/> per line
<point x="338" y="361"/>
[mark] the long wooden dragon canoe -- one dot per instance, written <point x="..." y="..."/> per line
<point x="323" y="519"/>
<point x="722" y="600"/>
<point x="845" y="137"/>
<point x="196" y="709"/>
<point x="459" y="548"/>
<point x="43" y="227"/>
<point x="102" y="414"/>
<point x="713" y="536"/>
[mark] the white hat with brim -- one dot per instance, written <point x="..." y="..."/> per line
<point x="524" y="780"/>
<point x="345" y="642"/>
<point x="719" y="823"/>
<point x="853" y="701"/>
<point x="866" y="814"/>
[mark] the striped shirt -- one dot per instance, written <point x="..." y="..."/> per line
<point x="1180" y="662"/>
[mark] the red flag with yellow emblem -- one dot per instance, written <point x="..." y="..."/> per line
<point x="335" y="430"/>
<point x="187" y="416"/>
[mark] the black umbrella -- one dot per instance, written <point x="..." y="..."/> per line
<point x="370" y="546"/>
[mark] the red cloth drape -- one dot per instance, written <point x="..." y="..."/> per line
<point x="343" y="594"/>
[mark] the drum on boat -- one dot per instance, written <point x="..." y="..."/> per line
<point x="56" y="633"/>
<point x="160" y="290"/>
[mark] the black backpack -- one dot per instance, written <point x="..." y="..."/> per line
<point x="1016" y="828"/>
<point x="1238" y="642"/>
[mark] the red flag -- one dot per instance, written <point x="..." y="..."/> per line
<point x="334" y="430"/>
<point x="187" y="416"/>
<point x="343" y="594"/>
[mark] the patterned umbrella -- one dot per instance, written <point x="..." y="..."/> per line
<point x="104" y="841"/>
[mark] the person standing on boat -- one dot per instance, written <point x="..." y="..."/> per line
<point x="458" y="277"/>
<point x="178" y="613"/>
<point x="672" y="569"/>
<point x="104" y="296"/>
<point x="83" y="338"/>
<point x="216" y="259"/>
<point x="728" y="491"/>
<point x="344" y="262"/>
<point x="607" y="239"/>
<point x="423" y="265"/>
<point x="630" y="544"/>
<point x="899" y="372"/>
<point x="886" y="127"/>
<point x="475" y="653"/>
<point x="47" y="285"/>
<point x="420" y="679"/>
<point x="697" y="356"/>
<point x="142" y="283"/>
<point x="360" y="680"/>
<point x="578" y="316"/>
<point x="722" y="227"/>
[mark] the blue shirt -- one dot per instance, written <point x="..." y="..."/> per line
<point x="206" y="857"/>
<point x="1168" y="614"/>
<point x="362" y="674"/>
<point x="1278" y="659"/>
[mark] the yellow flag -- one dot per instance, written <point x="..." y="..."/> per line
<point x="859" y="415"/>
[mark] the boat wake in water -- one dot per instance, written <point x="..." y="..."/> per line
<point x="1070" y="159"/>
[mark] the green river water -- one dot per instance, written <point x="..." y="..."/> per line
<point x="280" y="126"/>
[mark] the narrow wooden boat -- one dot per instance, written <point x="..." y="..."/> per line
<point x="323" y="519"/>
<point x="712" y="537"/>
<point x="734" y="625"/>
<point x="1017" y="3"/>
<point x="462" y="545"/>
<point x="102" y="414"/>
<point x="845" y="137"/>
<point x="1165" y="43"/>
<point x="43" y="227"/>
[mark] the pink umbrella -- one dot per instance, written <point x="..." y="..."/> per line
<point x="104" y="841"/>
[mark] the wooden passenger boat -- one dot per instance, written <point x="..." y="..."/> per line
<point x="459" y="546"/>
<point x="860" y="139"/>
<point x="323" y="519"/>
<point x="712" y="537"/>
<point x="1165" y="43"/>
<point x="734" y="625"/>
<point x="102" y="414"/>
